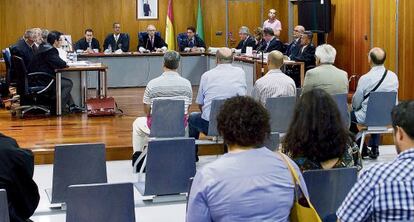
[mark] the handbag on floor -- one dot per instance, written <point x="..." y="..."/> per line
<point x="104" y="106"/>
<point x="302" y="209"/>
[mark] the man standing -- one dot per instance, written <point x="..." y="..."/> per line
<point x="294" y="46"/>
<point x="271" y="42"/>
<point x="273" y="23"/>
<point x="87" y="44"/>
<point x="246" y="40"/>
<point x="193" y="43"/>
<point x="170" y="85"/>
<point x="151" y="42"/>
<point x="326" y="76"/>
<point x="16" y="173"/>
<point x="116" y="40"/>
<point x="384" y="81"/>
<point x="384" y="191"/>
<point x="222" y="82"/>
<point x="306" y="53"/>
<point x="275" y="83"/>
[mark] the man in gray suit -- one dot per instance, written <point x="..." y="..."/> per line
<point x="326" y="76"/>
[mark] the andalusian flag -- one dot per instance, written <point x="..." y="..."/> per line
<point x="200" y="30"/>
<point x="169" y="28"/>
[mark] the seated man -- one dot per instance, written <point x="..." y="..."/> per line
<point x="170" y="85"/>
<point x="326" y="76"/>
<point x="116" y="41"/>
<point x="193" y="43"/>
<point x="306" y="53"/>
<point x="16" y="173"/>
<point x="294" y="46"/>
<point x="222" y="82"/>
<point x="87" y="44"/>
<point x="47" y="60"/>
<point x="271" y="42"/>
<point x="384" y="191"/>
<point x="151" y="42"/>
<point x="366" y="84"/>
<point x="24" y="47"/>
<point x="275" y="83"/>
<point x="246" y="40"/>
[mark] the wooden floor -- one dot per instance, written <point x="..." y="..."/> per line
<point x="42" y="134"/>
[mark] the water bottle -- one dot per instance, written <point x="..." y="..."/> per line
<point x="75" y="57"/>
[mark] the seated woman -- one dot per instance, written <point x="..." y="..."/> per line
<point x="232" y="187"/>
<point x="317" y="138"/>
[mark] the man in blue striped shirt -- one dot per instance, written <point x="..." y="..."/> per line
<point x="385" y="192"/>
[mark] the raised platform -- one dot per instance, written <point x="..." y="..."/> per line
<point x="42" y="134"/>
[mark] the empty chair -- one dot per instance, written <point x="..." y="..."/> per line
<point x="167" y="118"/>
<point x="214" y="111"/>
<point x="342" y="102"/>
<point x="170" y="163"/>
<point x="328" y="188"/>
<point x="378" y="115"/>
<point x="76" y="164"/>
<point x="4" y="206"/>
<point x="281" y="111"/>
<point x="101" y="202"/>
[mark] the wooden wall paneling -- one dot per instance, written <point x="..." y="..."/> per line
<point x="361" y="36"/>
<point x="384" y="29"/>
<point x="214" y="21"/>
<point x="406" y="49"/>
<point x="282" y="15"/>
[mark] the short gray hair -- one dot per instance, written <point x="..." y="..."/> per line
<point x="45" y="32"/>
<point x="326" y="53"/>
<point x="29" y="33"/>
<point x="244" y="30"/>
<point x="224" y="55"/>
<point x="171" y="59"/>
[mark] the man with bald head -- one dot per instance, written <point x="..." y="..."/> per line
<point x="222" y="82"/>
<point x="150" y="42"/>
<point x="275" y="83"/>
<point x="273" y="23"/>
<point x="294" y="46"/>
<point x="366" y="84"/>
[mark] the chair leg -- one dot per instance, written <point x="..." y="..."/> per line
<point x="27" y="109"/>
<point x="362" y="142"/>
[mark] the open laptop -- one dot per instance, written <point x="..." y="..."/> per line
<point x="76" y="164"/>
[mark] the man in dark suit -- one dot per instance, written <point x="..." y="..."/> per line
<point x="193" y="43"/>
<point x="117" y="40"/>
<point x="246" y="40"/>
<point x="47" y="60"/>
<point x="87" y="44"/>
<point x="271" y="42"/>
<point x="294" y="46"/>
<point x="24" y="47"/>
<point x="150" y="42"/>
<point x="16" y="177"/>
<point x="147" y="8"/>
<point x="307" y="51"/>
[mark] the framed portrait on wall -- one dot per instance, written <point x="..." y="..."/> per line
<point x="147" y="9"/>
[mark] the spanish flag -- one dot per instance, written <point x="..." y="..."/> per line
<point x="169" y="28"/>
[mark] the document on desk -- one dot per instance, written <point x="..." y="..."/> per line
<point x="79" y="63"/>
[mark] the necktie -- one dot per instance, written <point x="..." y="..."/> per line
<point x="116" y="38"/>
<point x="90" y="45"/>
<point x="152" y="42"/>
<point x="191" y="43"/>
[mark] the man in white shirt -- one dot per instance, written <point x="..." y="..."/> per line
<point x="275" y="83"/>
<point x="273" y="23"/>
<point x="366" y="84"/>
<point x="222" y="82"/>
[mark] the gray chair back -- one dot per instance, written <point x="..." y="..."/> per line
<point x="167" y="118"/>
<point x="101" y="202"/>
<point x="4" y="206"/>
<point x="298" y="92"/>
<point x="328" y="188"/>
<point x="77" y="164"/>
<point x="342" y="102"/>
<point x="273" y="141"/>
<point x="379" y="108"/>
<point x="170" y="163"/>
<point x="214" y="111"/>
<point x="281" y="112"/>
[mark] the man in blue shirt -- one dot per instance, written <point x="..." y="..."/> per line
<point x="385" y="191"/>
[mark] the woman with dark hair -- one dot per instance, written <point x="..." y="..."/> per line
<point x="317" y="138"/>
<point x="232" y="187"/>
